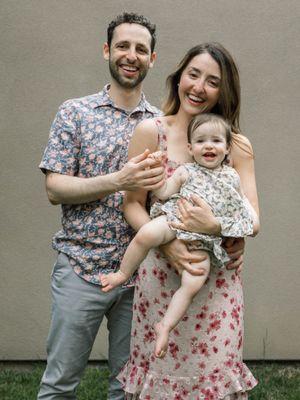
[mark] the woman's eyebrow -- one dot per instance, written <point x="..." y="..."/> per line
<point x="199" y="72"/>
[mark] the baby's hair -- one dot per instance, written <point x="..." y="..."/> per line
<point x="215" y="119"/>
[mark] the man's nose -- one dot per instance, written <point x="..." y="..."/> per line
<point x="131" y="55"/>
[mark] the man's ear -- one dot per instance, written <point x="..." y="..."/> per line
<point x="106" y="51"/>
<point x="152" y="59"/>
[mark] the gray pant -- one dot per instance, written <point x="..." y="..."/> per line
<point x="77" y="312"/>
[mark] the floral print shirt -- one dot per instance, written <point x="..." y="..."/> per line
<point x="90" y="137"/>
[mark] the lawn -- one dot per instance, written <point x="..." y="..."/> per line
<point x="276" y="382"/>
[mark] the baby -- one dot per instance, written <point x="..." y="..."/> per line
<point x="209" y="139"/>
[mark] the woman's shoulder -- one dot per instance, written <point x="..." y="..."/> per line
<point x="241" y="146"/>
<point x="150" y="125"/>
<point x="148" y="132"/>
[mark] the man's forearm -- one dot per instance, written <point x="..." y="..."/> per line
<point x="139" y="172"/>
<point x="65" y="189"/>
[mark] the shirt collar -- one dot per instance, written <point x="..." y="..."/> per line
<point x="103" y="99"/>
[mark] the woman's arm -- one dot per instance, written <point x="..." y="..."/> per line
<point x="145" y="136"/>
<point x="243" y="163"/>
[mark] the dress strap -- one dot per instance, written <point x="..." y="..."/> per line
<point x="162" y="138"/>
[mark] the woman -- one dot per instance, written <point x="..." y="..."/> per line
<point x="204" y="359"/>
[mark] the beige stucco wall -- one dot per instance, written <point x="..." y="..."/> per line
<point x="51" y="51"/>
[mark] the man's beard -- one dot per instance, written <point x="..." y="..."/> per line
<point x="126" y="82"/>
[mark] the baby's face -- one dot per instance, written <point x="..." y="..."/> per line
<point x="209" y="146"/>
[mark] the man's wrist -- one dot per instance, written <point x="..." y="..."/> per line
<point x="115" y="181"/>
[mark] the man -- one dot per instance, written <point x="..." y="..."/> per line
<point x="86" y="168"/>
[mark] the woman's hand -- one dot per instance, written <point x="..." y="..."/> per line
<point x="197" y="217"/>
<point x="181" y="258"/>
<point x="235" y="248"/>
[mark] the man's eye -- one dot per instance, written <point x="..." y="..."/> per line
<point x="142" y="51"/>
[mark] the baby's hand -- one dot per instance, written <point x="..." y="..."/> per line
<point x="157" y="156"/>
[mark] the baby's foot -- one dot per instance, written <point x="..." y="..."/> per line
<point x="162" y="340"/>
<point x="112" y="280"/>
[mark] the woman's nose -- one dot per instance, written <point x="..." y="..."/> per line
<point x="199" y="86"/>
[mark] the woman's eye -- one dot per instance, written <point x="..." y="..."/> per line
<point x="213" y="83"/>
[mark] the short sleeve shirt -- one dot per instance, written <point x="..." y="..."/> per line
<point x="89" y="137"/>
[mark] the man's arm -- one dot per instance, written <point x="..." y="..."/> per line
<point x="139" y="172"/>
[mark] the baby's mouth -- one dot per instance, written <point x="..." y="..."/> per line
<point x="209" y="155"/>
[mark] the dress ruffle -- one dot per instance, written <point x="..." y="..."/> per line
<point x="222" y="382"/>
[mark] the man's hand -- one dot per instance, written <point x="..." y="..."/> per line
<point x="141" y="172"/>
<point x="235" y="248"/>
<point x="197" y="217"/>
<point x="180" y="258"/>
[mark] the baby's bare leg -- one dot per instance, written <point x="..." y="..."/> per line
<point x="180" y="302"/>
<point x="152" y="234"/>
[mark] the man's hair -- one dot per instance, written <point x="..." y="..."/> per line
<point x="131" y="18"/>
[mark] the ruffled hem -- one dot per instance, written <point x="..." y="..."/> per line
<point x="139" y="385"/>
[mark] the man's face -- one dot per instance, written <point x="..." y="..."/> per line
<point x="129" y="55"/>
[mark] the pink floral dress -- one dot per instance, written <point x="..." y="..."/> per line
<point x="204" y="358"/>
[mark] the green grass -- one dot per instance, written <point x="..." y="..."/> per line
<point x="276" y="382"/>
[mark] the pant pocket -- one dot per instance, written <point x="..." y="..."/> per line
<point x="61" y="267"/>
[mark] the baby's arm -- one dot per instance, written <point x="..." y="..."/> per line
<point x="172" y="184"/>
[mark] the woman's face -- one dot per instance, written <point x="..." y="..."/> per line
<point x="199" y="86"/>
